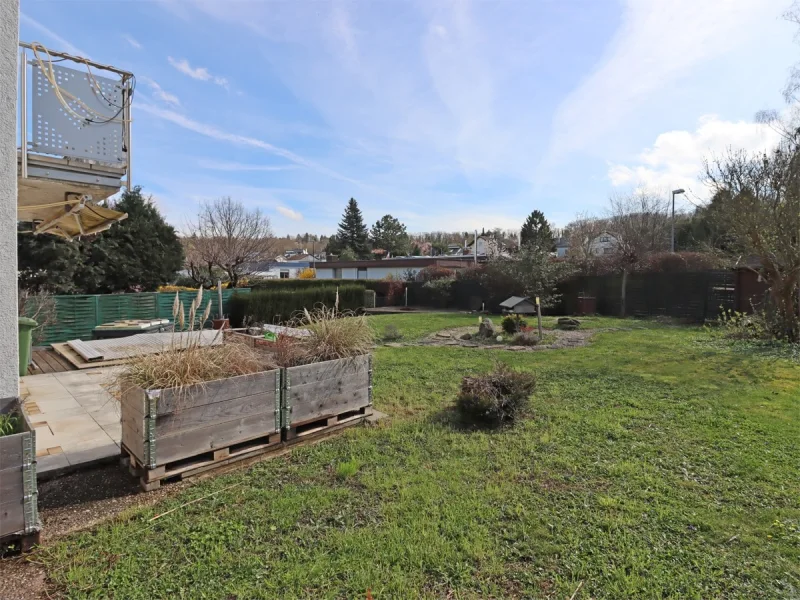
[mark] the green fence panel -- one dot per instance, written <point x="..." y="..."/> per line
<point x="117" y="307"/>
<point x="167" y="299"/>
<point x="76" y="316"/>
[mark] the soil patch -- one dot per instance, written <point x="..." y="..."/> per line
<point x="555" y="339"/>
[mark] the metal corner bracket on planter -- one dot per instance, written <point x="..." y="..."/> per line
<point x="19" y="510"/>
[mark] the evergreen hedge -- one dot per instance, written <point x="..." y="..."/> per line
<point x="279" y="305"/>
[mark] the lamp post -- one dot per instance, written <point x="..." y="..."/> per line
<point x="672" y="242"/>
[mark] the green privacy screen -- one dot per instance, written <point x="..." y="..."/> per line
<point x="76" y="316"/>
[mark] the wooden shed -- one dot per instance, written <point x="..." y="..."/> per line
<point x="519" y="305"/>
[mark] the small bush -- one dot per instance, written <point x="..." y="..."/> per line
<point x="495" y="398"/>
<point x="511" y="326"/>
<point x="434" y="273"/>
<point x="741" y="326"/>
<point x="391" y="333"/>
<point x="526" y="338"/>
<point x="10" y="423"/>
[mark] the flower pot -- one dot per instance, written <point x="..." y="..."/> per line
<point x="220" y="323"/>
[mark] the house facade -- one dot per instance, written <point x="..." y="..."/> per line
<point x="603" y="244"/>
<point x="397" y="268"/>
<point x="9" y="35"/>
<point x="286" y="269"/>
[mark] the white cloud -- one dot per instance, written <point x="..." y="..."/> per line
<point x="675" y="160"/>
<point x="199" y="73"/>
<point x="63" y="45"/>
<point x="132" y="41"/>
<point x="289" y="213"/>
<point x="219" y="165"/>
<point x="659" y="41"/>
<point x="218" y="134"/>
<point x="159" y="92"/>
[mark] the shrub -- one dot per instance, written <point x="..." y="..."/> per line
<point x="526" y="338"/>
<point x="278" y="305"/>
<point x="495" y="398"/>
<point x="391" y="333"/>
<point x="438" y="292"/>
<point x="332" y="335"/>
<point x="741" y="326"/>
<point x="510" y="324"/>
<point x="308" y="273"/>
<point x="434" y="273"/>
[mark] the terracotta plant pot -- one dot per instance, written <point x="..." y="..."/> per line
<point x="220" y="323"/>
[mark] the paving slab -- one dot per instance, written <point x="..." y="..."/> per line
<point x="77" y="421"/>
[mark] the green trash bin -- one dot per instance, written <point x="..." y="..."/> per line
<point x="26" y="327"/>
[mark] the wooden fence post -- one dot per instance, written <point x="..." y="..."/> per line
<point x="624" y="289"/>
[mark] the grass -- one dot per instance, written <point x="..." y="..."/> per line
<point x="649" y="466"/>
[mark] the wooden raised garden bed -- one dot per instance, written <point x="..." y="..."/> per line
<point x="169" y="434"/>
<point x="321" y="396"/>
<point x="177" y="433"/>
<point x="19" y="513"/>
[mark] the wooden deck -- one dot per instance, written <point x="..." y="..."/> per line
<point x="46" y="360"/>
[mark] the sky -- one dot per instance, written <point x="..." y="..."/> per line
<point x="449" y="115"/>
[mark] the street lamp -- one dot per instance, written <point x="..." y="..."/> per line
<point x="674" y="193"/>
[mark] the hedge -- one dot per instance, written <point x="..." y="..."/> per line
<point x="279" y="305"/>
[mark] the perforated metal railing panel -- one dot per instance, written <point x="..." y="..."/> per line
<point x="57" y="131"/>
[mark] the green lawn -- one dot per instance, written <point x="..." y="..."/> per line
<point x="651" y="466"/>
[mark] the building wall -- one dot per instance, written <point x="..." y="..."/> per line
<point x="372" y="272"/>
<point x="9" y="36"/>
<point x="603" y="244"/>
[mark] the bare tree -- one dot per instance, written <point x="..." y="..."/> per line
<point x="580" y="234"/>
<point x="758" y="198"/>
<point x="640" y="221"/>
<point x="231" y="237"/>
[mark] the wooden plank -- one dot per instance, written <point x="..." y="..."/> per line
<point x="42" y="362"/>
<point x="133" y="441"/>
<point x="11" y="450"/>
<point x="11" y="484"/>
<point x="328" y="370"/>
<point x="12" y="516"/>
<point x="216" y="412"/>
<point x="323" y="427"/>
<point x="46" y="364"/>
<point x="216" y="391"/>
<point x="76" y="361"/>
<point x="55" y="358"/>
<point x="205" y="439"/>
<point x="328" y="404"/>
<point x="85" y="351"/>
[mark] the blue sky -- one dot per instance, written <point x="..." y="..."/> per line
<point x="450" y="115"/>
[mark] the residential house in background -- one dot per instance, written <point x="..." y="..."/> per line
<point x="605" y="243"/>
<point x="562" y="247"/>
<point x="397" y="268"/>
<point x="286" y="269"/>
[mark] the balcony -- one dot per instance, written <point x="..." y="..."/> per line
<point x="74" y="128"/>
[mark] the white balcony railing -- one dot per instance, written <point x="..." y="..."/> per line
<point x="68" y="110"/>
